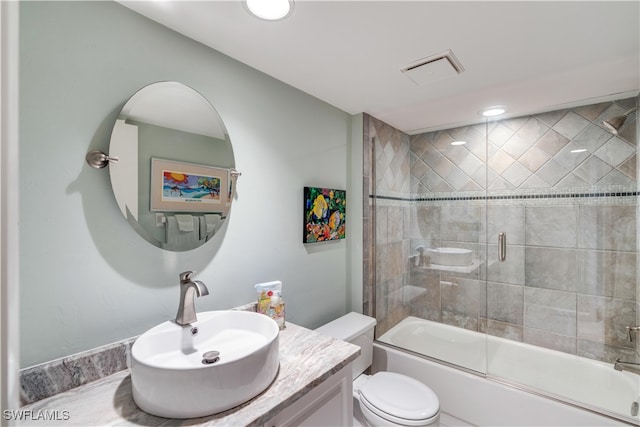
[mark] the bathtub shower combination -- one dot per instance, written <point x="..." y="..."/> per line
<point x="574" y="379"/>
<point x="510" y="258"/>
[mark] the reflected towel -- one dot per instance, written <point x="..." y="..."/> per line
<point x="185" y="222"/>
<point x="212" y="222"/>
<point x="203" y="228"/>
<point x="178" y="240"/>
<point x="209" y="224"/>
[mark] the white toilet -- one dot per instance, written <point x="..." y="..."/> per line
<point x="385" y="398"/>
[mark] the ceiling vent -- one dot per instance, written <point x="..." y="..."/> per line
<point x="433" y="68"/>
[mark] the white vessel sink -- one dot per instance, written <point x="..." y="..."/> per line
<point x="169" y="378"/>
<point x="450" y="256"/>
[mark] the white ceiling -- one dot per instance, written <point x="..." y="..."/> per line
<point x="530" y="56"/>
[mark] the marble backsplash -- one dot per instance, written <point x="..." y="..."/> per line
<point x="51" y="378"/>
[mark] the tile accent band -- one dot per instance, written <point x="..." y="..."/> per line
<point x="510" y="197"/>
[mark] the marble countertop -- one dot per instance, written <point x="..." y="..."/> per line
<point x="306" y="359"/>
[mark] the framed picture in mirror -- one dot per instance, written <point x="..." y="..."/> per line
<point x="187" y="187"/>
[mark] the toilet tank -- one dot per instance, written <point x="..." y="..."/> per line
<point x="357" y="329"/>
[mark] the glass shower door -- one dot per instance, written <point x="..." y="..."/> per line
<point x="569" y="287"/>
<point x="429" y="242"/>
<point x="545" y="210"/>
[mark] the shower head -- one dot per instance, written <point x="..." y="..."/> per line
<point x="614" y="124"/>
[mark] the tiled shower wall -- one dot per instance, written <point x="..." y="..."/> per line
<point x="386" y="234"/>
<point x="570" y="279"/>
<point x="532" y="152"/>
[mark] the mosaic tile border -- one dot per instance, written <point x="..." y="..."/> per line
<point x="510" y="197"/>
<point x="611" y="195"/>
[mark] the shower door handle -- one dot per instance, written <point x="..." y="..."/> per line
<point x="502" y="247"/>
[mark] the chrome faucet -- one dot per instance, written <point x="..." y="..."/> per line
<point x="627" y="366"/>
<point x="189" y="290"/>
<point x="422" y="260"/>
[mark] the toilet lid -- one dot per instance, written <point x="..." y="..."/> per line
<point x="399" y="398"/>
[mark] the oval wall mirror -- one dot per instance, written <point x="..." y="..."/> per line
<point x="174" y="178"/>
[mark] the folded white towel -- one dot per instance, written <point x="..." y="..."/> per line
<point x="181" y="240"/>
<point x="185" y="222"/>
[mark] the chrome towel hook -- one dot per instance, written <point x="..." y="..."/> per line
<point x="98" y="160"/>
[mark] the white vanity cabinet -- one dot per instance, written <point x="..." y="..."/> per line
<point x="328" y="404"/>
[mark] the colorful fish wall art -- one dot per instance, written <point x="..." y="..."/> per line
<point x="324" y="214"/>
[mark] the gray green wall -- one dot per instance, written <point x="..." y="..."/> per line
<point x="87" y="278"/>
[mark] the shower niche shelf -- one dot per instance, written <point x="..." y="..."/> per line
<point x="465" y="269"/>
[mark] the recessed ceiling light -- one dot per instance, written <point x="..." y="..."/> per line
<point x="579" y="150"/>
<point x="270" y="10"/>
<point x="496" y="110"/>
<point x="458" y="142"/>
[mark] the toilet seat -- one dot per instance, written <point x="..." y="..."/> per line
<point x="399" y="399"/>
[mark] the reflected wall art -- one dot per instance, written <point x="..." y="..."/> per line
<point x="179" y="186"/>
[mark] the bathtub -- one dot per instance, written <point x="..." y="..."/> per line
<point x="524" y="385"/>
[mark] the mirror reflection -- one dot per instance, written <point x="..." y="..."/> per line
<point x="174" y="178"/>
